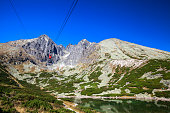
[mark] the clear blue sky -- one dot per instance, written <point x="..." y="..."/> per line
<point x="144" y="22"/>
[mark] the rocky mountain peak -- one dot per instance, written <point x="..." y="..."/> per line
<point x="68" y="46"/>
<point x="44" y="37"/>
<point x="42" y="46"/>
<point x="84" y="42"/>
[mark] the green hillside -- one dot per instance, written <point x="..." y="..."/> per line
<point x="13" y="99"/>
<point x="152" y="78"/>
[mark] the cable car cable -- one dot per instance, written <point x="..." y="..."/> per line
<point x="19" y="19"/>
<point x="67" y="17"/>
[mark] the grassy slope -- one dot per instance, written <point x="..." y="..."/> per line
<point x="31" y="98"/>
<point x="135" y="84"/>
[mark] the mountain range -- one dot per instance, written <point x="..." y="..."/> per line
<point x="108" y="68"/>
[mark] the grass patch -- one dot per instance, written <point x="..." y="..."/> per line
<point x="166" y="76"/>
<point x="95" y="74"/>
<point x="86" y="109"/>
<point x="38" y="104"/>
<point x="91" y="91"/>
<point x="109" y="75"/>
<point x="165" y="94"/>
<point x="71" y="69"/>
<point x="93" y="85"/>
<point x="46" y="74"/>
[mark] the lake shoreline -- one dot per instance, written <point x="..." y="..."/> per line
<point x="122" y="97"/>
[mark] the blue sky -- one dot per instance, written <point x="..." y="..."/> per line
<point x="144" y="22"/>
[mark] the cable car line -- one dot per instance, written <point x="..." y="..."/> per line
<point x="66" y="18"/>
<point x="19" y="19"/>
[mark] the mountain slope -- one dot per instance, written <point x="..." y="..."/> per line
<point x="29" y="98"/>
<point x="109" y="68"/>
<point x="119" y="49"/>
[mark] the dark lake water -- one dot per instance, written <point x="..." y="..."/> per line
<point x="125" y="106"/>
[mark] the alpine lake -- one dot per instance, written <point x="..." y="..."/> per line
<point x="124" y="105"/>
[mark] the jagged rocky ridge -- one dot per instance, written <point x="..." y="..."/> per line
<point x="84" y="52"/>
<point x="40" y="48"/>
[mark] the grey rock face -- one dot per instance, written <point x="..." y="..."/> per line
<point x="42" y="47"/>
<point x="78" y="53"/>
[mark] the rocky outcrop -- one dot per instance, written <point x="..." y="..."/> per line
<point x="42" y="47"/>
<point x="79" y="53"/>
